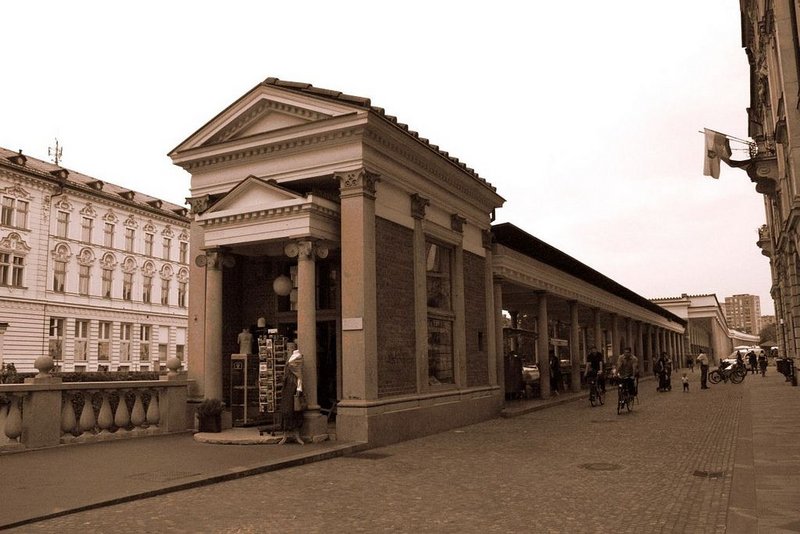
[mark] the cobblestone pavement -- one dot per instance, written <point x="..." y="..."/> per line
<point x="667" y="466"/>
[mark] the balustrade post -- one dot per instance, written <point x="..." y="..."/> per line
<point x="153" y="413"/>
<point x="122" y="416"/>
<point x="87" y="421"/>
<point x="68" y="419"/>
<point x="105" y="418"/>
<point x="138" y="416"/>
<point x="13" y="429"/>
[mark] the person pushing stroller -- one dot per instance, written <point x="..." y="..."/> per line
<point x="663" y="369"/>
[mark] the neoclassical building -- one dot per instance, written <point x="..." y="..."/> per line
<point x="321" y="218"/>
<point x="770" y="38"/>
<point x="93" y="274"/>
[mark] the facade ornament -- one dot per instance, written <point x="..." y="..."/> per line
<point x="166" y="272"/>
<point x="61" y="252"/>
<point x="13" y="242"/>
<point x="306" y="249"/>
<point x="184" y="236"/>
<point x="86" y="257"/>
<point x="198" y="204"/>
<point x="16" y="192"/>
<point x="418" y="205"/>
<point x="457" y="222"/>
<point x="111" y="217"/>
<point x="88" y="210"/>
<point x="167" y="231"/>
<point x="130" y="222"/>
<point x="129" y="265"/>
<point x="63" y="205"/>
<point x="149" y="227"/>
<point x="356" y="182"/>
<point x="109" y="261"/>
<point x="183" y="275"/>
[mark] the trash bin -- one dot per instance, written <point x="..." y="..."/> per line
<point x="792" y="372"/>
<point x="782" y="365"/>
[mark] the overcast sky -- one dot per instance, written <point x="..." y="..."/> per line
<point x="584" y="114"/>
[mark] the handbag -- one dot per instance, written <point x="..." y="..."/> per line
<point x="300" y="402"/>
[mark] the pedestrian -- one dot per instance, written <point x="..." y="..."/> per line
<point x="594" y="366"/>
<point x="685" y="380"/>
<point x="752" y="361"/>
<point x="690" y="363"/>
<point x="555" y="373"/>
<point x="762" y="364"/>
<point x="702" y="359"/>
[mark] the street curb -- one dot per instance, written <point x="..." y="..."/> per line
<point x="292" y="461"/>
<point x="742" y="514"/>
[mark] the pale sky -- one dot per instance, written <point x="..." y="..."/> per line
<point x="584" y="114"/>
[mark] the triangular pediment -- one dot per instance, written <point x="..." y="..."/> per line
<point x="261" y="111"/>
<point x="254" y="194"/>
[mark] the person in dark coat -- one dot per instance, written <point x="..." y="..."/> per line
<point x="752" y="360"/>
<point x="291" y="419"/>
<point x="555" y="373"/>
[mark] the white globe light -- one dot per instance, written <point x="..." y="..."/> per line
<point x="282" y="285"/>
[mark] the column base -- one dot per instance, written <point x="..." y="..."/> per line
<point x="315" y="427"/>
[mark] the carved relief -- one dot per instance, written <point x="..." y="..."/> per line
<point x="61" y="252"/>
<point x="63" y="205"/>
<point x="149" y="227"/>
<point x="16" y="192"/>
<point x="360" y="181"/>
<point x="88" y="210"/>
<point x="111" y="217"/>
<point x="148" y="269"/>
<point x="418" y="205"/>
<point x="86" y="257"/>
<point x="167" y="231"/>
<point x="199" y="204"/>
<point x="183" y="275"/>
<point x="109" y="261"/>
<point x="129" y="265"/>
<point x="184" y="236"/>
<point x="14" y="243"/>
<point x="166" y="272"/>
<point x="130" y="222"/>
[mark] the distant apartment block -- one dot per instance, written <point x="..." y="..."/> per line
<point x="743" y="313"/>
<point x="93" y="274"/>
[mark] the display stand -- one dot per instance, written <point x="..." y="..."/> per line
<point x="272" y="358"/>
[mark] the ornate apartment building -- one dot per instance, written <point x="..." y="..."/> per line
<point x="93" y="274"/>
<point x="770" y="31"/>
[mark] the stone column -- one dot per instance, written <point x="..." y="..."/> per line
<point x="499" y="349"/>
<point x="629" y="333"/>
<point x="640" y="346"/>
<point x="574" y="346"/>
<point x="359" y="303"/>
<point x="614" y="339"/>
<point x="543" y="345"/>
<point x="212" y="378"/>
<point x="418" y="205"/>
<point x="492" y="314"/>
<point x="650" y="348"/>
<point x="598" y="331"/>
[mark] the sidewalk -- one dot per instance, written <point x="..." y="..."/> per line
<point x="52" y="482"/>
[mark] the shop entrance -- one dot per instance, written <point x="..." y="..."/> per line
<point x="327" y="361"/>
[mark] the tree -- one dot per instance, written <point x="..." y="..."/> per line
<point x="769" y="334"/>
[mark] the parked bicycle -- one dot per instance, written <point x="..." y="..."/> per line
<point x="595" y="393"/>
<point x="735" y="373"/>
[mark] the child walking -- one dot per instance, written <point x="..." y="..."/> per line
<point x="685" y="380"/>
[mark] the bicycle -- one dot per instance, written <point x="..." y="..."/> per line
<point x="624" y="397"/>
<point x="734" y="373"/>
<point x="595" y="393"/>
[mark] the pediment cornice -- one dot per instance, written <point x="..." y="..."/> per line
<point x="259" y="110"/>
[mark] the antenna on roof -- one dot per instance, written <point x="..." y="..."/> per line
<point x="55" y="152"/>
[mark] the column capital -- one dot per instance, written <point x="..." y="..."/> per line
<point x="358" y="182"/>
<point x="418" y="205"/>
<point x="198" y="204"/>
<point x="305" y="249"/>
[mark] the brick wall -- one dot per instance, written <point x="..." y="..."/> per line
<point x="475" y="307"/>
<point x="395" y="295"/>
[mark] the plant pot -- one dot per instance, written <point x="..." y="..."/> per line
<point x="209" y="423"/>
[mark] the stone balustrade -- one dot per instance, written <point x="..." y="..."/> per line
<point x="45" y="412"/>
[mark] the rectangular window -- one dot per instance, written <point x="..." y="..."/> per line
<point x="81" y="339"/>
<point x="56" y="340"/>
<point x="148" y="244"/>
<point x="166" y="249"/>
<point x="439" y="275"/>
<point x="147" y="289"/>
<point x="144" y="343"/>
<point x="130" y="236"/>
<point x="59" y="276"/>
<point x="22" y="214"/>
<point x="108" y="235"/>
<point x="179" y="352"/>
<point x="17" y="269"/>
<point x="108" y="278"/>
<point x="62" y="224"/>
<point x="184" y="252"/>
<point x="127" y="286"/>
<point x="87" y="224"/>
<point x="5" y="268"/>
<point x="125" y="330"/>
<point x="104" y="341"/>
<point x="164" y="292"/>
<point x="83" y="279"/>
<point x="182" y="294"/>
<point x="7" y="211"/>
<point x="162" y="352"/>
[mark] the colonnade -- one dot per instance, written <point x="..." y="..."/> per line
<point x="609" y="331"/>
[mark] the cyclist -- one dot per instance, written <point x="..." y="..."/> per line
<point x="628" y="370"/>
<point x="594" y="369"/>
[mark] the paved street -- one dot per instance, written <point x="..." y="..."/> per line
<point x="706" y="461"/>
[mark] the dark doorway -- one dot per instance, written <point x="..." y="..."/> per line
<point x="326" y="364"/>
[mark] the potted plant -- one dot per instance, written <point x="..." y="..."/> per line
<point x="209" y="416"/>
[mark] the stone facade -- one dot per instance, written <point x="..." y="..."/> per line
<point x="94" y="274"/>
